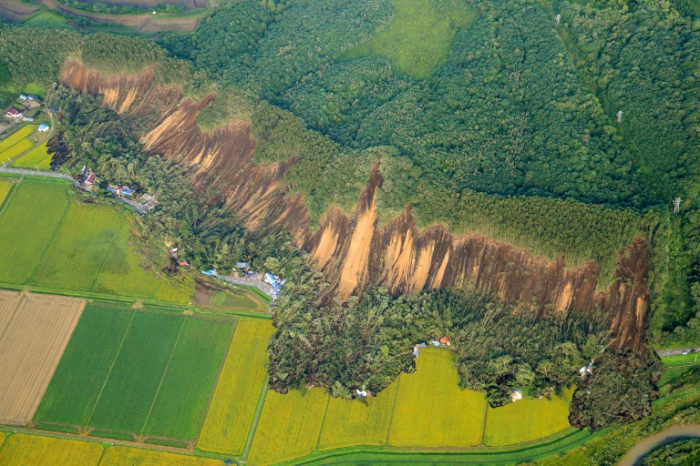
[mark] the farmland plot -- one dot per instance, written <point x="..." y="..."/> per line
<point x="24" y="449"/>
<point x="432" y="411"/>
<point x="16" y="137"/>
<point x="352" y="422"/>
<point x="289" y="426"/>
<point x="184" y="395"/>
<point x="133" y="383"/>
<point x="14" y="151"/>
<point x="36" y="158"/>
<point x="27" y="226"/>
<point x="5" y="188"/>
<point x="124" y="456"/>
<point x="232" y="409"/>
<point x="527" y="420"/>
<point x="83" y="369"/>
<point x="31" y="348"/>
<point x="78" y="251"/>
<point x="8" y="303"/>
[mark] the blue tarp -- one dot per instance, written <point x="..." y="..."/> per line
<point x="211" y="273"/>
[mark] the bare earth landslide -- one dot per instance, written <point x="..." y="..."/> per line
<point x="30" y="348"/>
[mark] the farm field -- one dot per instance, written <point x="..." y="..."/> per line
<point x="432" y="411"/>
<point x="14" y="151"/>
<point x="289" y="426"/>
<point x="14" y="138"/>
<point x="27" y="225"/>
<point x="178" y="410"/>
<point x="37" y="157"/>
<point x="125" y="456"/>
<point x="133" y="382"/>
<point x="84" y="367"/>
<point x="24" y="450"/>
<point x="349" y="422"/>
<point x="79" y="248"/>
<point x="678" y="360"/>
<point x="8" y="304"/>
<point x="31" y="347"/>
<point x="419" y="37"/>
<point x="241" y="382"/>
<point x="527" y="420"/>
<point x="5" y="188"/>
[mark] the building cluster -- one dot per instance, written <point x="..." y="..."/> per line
<point x="25" y="109"/>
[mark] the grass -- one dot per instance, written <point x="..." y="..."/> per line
<point x="46" y="19"/>
<point x="420" y="36"/>
<point x="124" y="456"/>
<point x="15" y="137"/>
<point x="15" y="150"/>
<point x="27" y="226"/>
<point x="5" y="188"/>
<point x="24" y="449"/>
<point x="527" y="420"/>
<point x="84" y="366"/>
<point x="689" y="359"/>
<point x="181" y="404"/>
<point x="432" y="411"/>
<point x="232" y="408"/>
<point x="227" y="300"/>
<point x="34" y="89"/>
<point x="289" y="426"/>
<point x="350" y="422"/>
<point x="137" y="372"/>
<point x="78" y="251"/>
<point x="36" y="158"/>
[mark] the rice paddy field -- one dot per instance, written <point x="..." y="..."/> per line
<point x="289" y="426"/>
<point x="24" y="450"/>
<point x="241" y="383"/>
<point x="55" y="242"/>
<point x="5" y="188"/>
<point x="16" y="143"/>
<point x="35" y="158"/>
<point x="420" y="36"/>
<point x="124" y="456"/>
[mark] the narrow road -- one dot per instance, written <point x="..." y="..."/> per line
<point x="262" y="286"/>
<point x="674" y="352"/>
<point x="21" y="171"/>
<point x="636" y="455"/>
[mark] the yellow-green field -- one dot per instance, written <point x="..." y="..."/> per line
<point x="124" y="456"/>
<point x="2" y="438"/>
<point x="16" y="137"/>
<point x="432" y="411"/>
<point x="24" y="450"/>
<point x="351" y="422"/>
<point x="289" y="426"/>
<point x="232" y="408"/>
<point x="35" y="158"/>
<point x="5" y="188"/>
<point x="527" y="419"/>
<point x="15" y="150"/>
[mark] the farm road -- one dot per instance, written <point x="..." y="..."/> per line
<point x="675" y="352"/>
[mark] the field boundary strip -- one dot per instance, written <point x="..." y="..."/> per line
<point x="393" y="409"/>
<point x="162" y="378"/>
<point x="256" y="420"/>
<point x="109" y="250"/>
<point x="121" y="344"/>
<point x="323" y="422"/>
<point x="6" y="203"/>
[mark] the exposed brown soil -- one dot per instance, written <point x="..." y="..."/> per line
<point x="31" y="347"/>
<point x="15" y="11"/>
<point x="8" y="304"/>
<point x="143" y="22"/>
<point x="351" y="250"/>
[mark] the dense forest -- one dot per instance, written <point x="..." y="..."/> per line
<point x="515" y="134"/>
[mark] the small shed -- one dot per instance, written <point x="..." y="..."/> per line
<point x="516" y="395"/>
<point x="43" y="127"/>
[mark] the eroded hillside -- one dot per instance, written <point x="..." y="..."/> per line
<point x="352" y="250"/>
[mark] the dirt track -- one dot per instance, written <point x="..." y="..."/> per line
<point x="30" y="350"/>
<point x="14" y="11"/>
<point x="143" y="22"/>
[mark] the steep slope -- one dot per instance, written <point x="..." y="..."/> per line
<point x="352" y="250"/>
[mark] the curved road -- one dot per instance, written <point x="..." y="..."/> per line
<point x="636" y="455"/>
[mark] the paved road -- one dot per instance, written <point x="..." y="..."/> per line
<point x="21" y="171"/>
<point x="678" y="432"/>
<point x="674" y="352"/>
<point x="262" y="286"/>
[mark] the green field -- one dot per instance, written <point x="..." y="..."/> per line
<point x="677" y="360"/>
<point x="419" y="38"/>
<point x="133" y="382"/>
<point x="527" y="420"/>
<point x="351" y="422"/>
<point x="289" y="426"/>
<point x="183" y="398"/>
<point x="84" y="366"/>
<point x="431" y="410"/>
<point x="46" y="19"/>
<point x="27" y="226"/>
<point x="36" y="158"/>
<point x="5" y="188"/>
<point x="242" y="379"/>
<point x="80" y="247"/>
<point x="14" y="138"/>
<point x="15" y="150"/>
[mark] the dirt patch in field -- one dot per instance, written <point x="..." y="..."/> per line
<point x="142" y="22"/>
<point x="31" y="347"/>
<point x="15" y="11"/>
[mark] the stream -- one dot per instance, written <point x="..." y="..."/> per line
<point x="636" y="455"/>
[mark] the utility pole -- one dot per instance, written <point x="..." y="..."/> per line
<point x="558" y="18"/>
<point x="677" y="205"/>
<point x="619" y="116"/>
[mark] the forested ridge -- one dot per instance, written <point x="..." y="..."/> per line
<point x="514" y="135"/>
